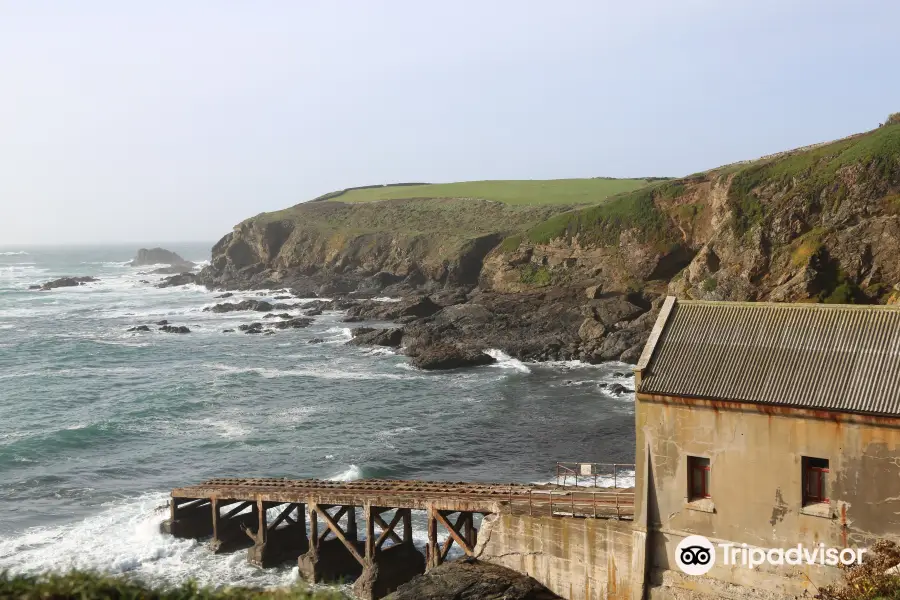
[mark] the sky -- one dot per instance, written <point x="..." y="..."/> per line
<point x="175" y="120"/>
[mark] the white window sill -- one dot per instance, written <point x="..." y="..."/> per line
<point x="819" y="509"/>
<point x="702" y="505"/>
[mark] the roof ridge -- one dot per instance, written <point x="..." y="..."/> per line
<point x="790" y="305"/>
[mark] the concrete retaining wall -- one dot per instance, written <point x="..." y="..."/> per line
<point x="579" y="559"/>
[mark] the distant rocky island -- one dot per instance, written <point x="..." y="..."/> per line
<point x="161" y="256"/>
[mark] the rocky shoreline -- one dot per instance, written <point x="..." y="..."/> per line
<point x="452" y="326"/>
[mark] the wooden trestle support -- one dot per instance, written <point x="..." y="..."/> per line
<point x="331" y="551"/>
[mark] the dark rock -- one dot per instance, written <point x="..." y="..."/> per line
<point x="610" y="311"/>
<point x="469" y="579"/>
<point x="174" y="329"/>
<point x="157" y="256"/>
<point x="313" y="312"/>
<point x="448" y="356"/>
<point x="316" y="341"/>
<point x="269" y="332"/>
<point x="139" y="328"/>
<point x="353" y="319"/>
<point x="66" y="282"/>
<point x="294" y="323"/>
<point x="380" y="337"/>
<point x="618" y="388"/>
<point x="163" y="322"/>
<point x="143" y="281"/>
<point x="252" y="326"/>
<point x="228" y="331"/>
<point x="283" y="298"/>
<point x="361" y="331"/>
<point x="176" y="270"/>
<point x="269" y="316"/>
<point x="34" y="287"/>
<point x="225" y="295"/>
<point x="257" y="305"/>
<point x="176" y="280"/>
<point x="417" y="307"/>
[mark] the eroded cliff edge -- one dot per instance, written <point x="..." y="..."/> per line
<point x="554" y="282"/>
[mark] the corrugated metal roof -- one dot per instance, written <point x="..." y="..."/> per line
<point x="831" y="357"/>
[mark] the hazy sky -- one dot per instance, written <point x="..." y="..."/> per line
<point x="175" y="120"/>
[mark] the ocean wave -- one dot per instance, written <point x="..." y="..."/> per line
<point x="222" y="428"/>
<point x="124" y="538"/>
<point x="321" y="373"/>
<point x="505" y="361"/>
<point x="16" y="253"/>
<point x="351" y="473"/>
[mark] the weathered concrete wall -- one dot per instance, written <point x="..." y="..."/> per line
<point x="578" y="559"/>
<point x="755" y="457"/>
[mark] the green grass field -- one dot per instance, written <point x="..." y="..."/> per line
<point x="522" y="192"/>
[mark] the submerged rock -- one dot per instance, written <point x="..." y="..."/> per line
<point x="379" y="337"/>
<point x="225" y="295"/>
<point x="139" y="328"/>
<point x="472" y="580"/>
<point x="174" y="329"/>
<point x="257" y="305"/>
<point x="251" y="328"/>
<point x="448" y="356"/>
<point x="64" y="282"/>
<point x="316" y="341"/>
<point x="294" y="323"/>
<point x="176" y="280"/>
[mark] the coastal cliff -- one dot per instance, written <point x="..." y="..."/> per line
<point x="556" y="280"/>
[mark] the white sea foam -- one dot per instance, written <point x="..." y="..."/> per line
<point x="319" y="372"/>
<point x="125" y="538"/>
<point x="352" y="473"/>
<point x="505" y="361"/>
<point x="223" y="428"/>
<point x="17" y="253"/>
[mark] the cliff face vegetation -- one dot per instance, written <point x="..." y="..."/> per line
<point x="814" y="225"/>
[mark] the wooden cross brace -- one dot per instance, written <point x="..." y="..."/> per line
<point x="331" y="523"/>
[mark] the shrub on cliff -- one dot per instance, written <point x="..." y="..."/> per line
<point x="893" y="119"/>
<point x="90" y="586"/>
<point x="877" y="578"/>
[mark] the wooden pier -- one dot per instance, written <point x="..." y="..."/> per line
<point x="316" y="522"/>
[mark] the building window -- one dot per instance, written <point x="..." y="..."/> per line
<point x="698" y="478"/>
<point x="815" y="480"/>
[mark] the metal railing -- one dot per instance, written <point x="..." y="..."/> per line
<point x="595" y="474"/>
<point x="573" y="502"/>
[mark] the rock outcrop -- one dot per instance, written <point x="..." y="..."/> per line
<point x="160" y="256"/>
<point x="64" y="282"/>
<point x="472" y="580"/>
<point x="176" y="280"/>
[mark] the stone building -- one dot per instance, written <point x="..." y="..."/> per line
<point x="769" y="425"/>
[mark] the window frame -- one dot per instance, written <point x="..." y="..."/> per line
<point x="699" y="464"/>
<point x="820" y="475"/>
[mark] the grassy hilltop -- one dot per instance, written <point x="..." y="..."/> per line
<point x="515" y="192"/>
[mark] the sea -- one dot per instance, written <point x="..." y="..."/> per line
<point x="98" y="424"/>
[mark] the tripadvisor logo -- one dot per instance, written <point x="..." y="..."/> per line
<point x="696" y="555"/>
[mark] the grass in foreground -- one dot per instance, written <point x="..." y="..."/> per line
<point x="90" y="586"/>
<point x="523" y="192"/>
